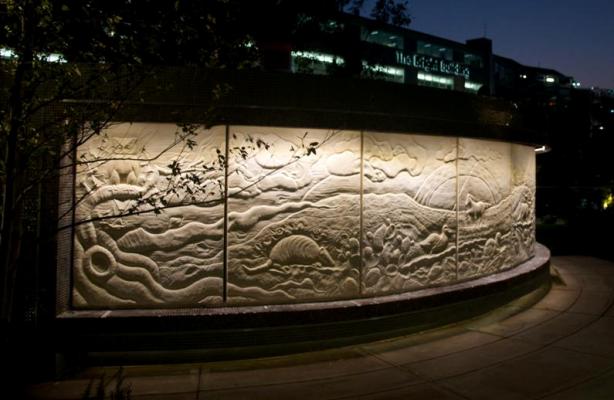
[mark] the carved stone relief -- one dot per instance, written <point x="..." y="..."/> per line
<point x="486" y="198"/>
<point x="409" y="217"/>
<point x="293" y="215"/>
<point x="523" y="209"/>
<point x="310" y="215"/>
<point x="126" y="257"/>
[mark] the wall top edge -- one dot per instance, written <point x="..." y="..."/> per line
<point x="282" y="99"/>
<point x="416" y="129"/>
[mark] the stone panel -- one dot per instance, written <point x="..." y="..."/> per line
<point x="523" y="210"/>
<point x="125" y="254"/>
<point x="486" y="198"/>
<point x="293" y="215"/>
<point x="409" y="213"/>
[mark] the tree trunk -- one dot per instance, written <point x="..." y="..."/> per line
<point x="10" y="227"/>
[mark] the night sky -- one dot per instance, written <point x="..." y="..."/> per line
<point x="573" y="37"/>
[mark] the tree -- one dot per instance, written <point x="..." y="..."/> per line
<point x="395" y="12"/>
<point x="76" y="67"/>
<point x="72" y="67"/>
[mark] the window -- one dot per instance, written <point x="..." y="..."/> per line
<point x="312" y="62"/>
<point x="382" y="38"/>
<point x="473" y="61"/>
<point x="438" y="81"/>
<point x="473" y="87"/>
<point x="384" y="72"/>
<point x="434" y="50"/>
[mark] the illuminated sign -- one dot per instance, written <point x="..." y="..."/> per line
<point x="433" y="64"/>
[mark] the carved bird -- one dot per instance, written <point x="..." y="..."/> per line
<point x="436" y="242"/>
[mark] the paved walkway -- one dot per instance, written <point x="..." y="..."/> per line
<point x="561" y="347"/>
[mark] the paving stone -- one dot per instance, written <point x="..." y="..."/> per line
<point x="420" y="391"/>
<point x="167" y="396"/>
<point x="471" y="360"/>
<point x="597" y="338"/>
<point x="581" y="265"/>
<point x="559" y="327"/>
<point x="517" y="323"/>
<point x="345" y="386"/>
<point x="599" y="388"/>
<point x="430" y="350"/>
<point x="146" y="385"/>
<point x="211" y="380"/>
<point x="558" y="300"/>
<point x="531" y="376"/>
<point x="593" y="302"/>
<point x="156" y="370"/>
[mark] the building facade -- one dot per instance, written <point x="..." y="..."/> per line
<point x="354" y="46"/>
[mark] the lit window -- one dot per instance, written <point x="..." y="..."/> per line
<point x="549" y="79"/>
<point x="434" y="51"/>
<point x="315" y="56"/>
<point x="473" y="86"/>
<point x="314" y="62"/>
<point x="385" y="72"/>
<point x="382" y="38"/>
<point x="438" y="81"/>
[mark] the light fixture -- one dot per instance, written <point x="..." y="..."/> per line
<point x="542" y="149"/>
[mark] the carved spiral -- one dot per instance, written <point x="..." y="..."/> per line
<point x="99" y="262"/>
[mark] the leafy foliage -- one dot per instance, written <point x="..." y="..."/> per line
<point x="395" y="12"/>
<point x="108" y="50"/>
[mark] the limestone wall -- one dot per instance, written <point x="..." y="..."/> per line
<point x="309" y="215"/>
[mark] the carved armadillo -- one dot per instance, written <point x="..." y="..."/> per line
<point x="299" y="249"/>
<point x="293" y="250"/>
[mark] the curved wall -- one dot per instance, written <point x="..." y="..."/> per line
<point x="297" y="215"/>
